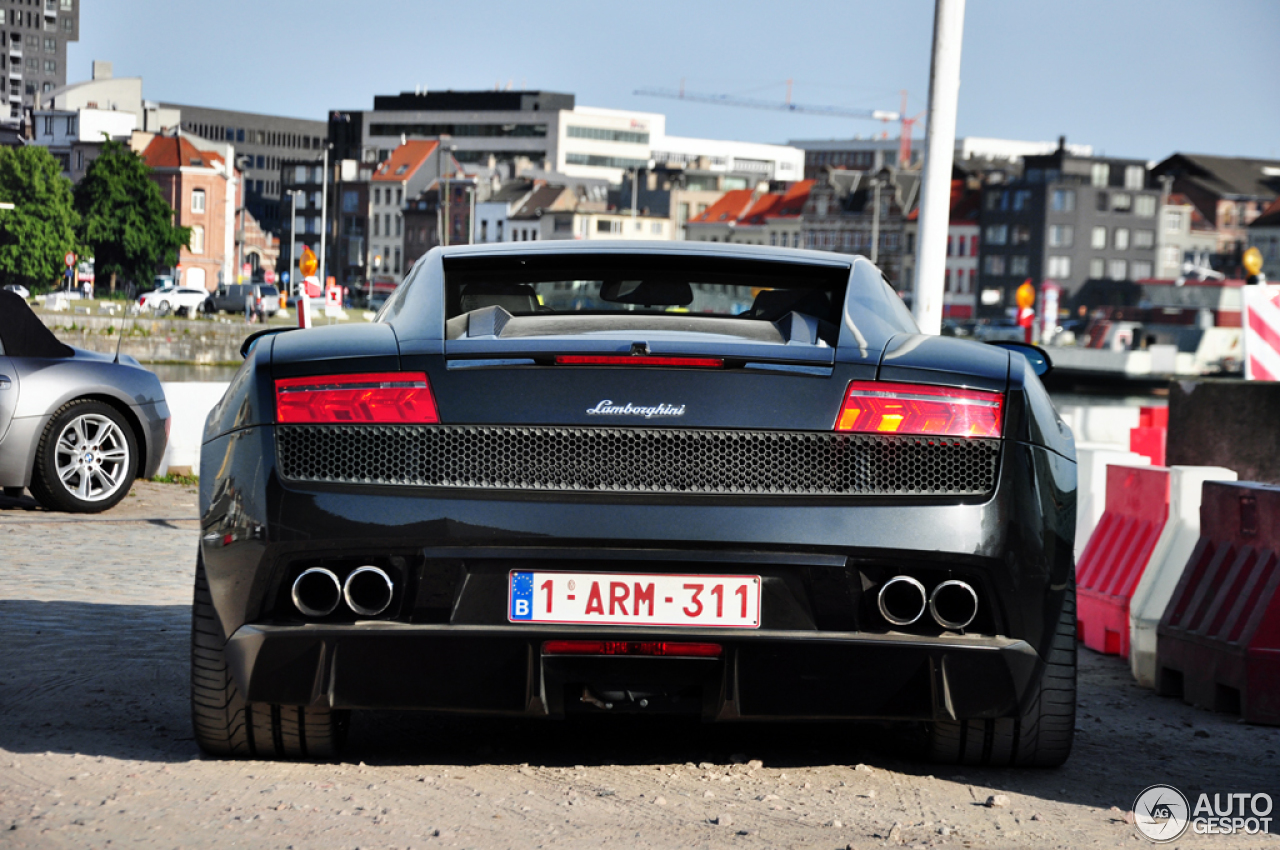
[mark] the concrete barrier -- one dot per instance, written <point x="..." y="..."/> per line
<point x="189" y="405"/>
<point x="1117" y="554"/>
<point x="1176" y="543"/>
<point x="1218" y="644"/>
<point x="1101" y="423"/>
<point x="1092" y="460"/>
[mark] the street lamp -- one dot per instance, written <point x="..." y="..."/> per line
<point x="293" y="235"/>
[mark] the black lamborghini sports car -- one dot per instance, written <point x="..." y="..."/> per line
<point x="721" y="480"/>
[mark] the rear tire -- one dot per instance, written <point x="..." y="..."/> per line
<point x="1042" y="736"/>
<point x="229" y="727"/>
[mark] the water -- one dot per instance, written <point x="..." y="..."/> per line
<point x="180" y="372"/>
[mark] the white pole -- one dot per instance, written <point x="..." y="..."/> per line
<point x="875" y="220"/>
<point x="324" y="218"/>
<point x="293" y="239"/>
<point x="939" y="150"/>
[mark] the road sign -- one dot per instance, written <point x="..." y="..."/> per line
<point x="308" y="264"/>
<point x="246" y="269"/>
<point x="269" y="276"/>
<point x="69" y="259"/>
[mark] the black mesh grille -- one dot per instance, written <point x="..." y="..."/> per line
<point x="637" y="460"/>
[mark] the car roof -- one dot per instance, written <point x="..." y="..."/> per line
<point x="654" y="247"/>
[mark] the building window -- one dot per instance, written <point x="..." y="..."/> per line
<point x="1172" y="221"/>
<point x="79" y="160"/>
<point x="397" y="265"/>
<point x="1121" y="202"/>
<point x="1118" y="270"/>
<point x="1097" y="268"/>
<point x="1133" y="176"/>
<point x="997" y="234"/>
<point x="1098" y="239"/>
<point x="1144" y="238"/>
<point x="1022" y="200"/>
<point x="51" y="66"/>
<point x="68" y="4"/>
<point x="1100" y="174"/>
<point x="1145" y="205"/>
<point x="50" y="45"/>
<point x="1102" y="205"/>
<point x="1059" y="268"/>
<point x="197" y="200"/>
<point x="299" y="174"/>
<point x="1171" y="255"/>
<point x="1061" y="235"/>
<point x="399" y="224"/>
<point x="993" y="264"/>
<point x="1141" y="269"/>
<point x="1020" y="265"/>
<point x="66" y="24"/>
<point x="48" y="125"/>
<point x="1121" y="241"/>
<point x="197" y="239"/>
<point x="1063" y="200"/>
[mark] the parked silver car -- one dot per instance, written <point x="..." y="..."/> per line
<point x="76" y="427"/>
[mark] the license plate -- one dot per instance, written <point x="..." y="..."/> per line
<point x="634" y="599"/>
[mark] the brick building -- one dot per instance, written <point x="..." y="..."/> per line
<point x="203" y="190"/>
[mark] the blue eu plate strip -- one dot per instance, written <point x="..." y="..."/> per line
<point x="521" y="596"/>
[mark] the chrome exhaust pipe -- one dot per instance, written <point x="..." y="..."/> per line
<point x="368" y="591"/>
<point x="902" y="600"/>
<point x="953" y="604"/>
<point x="317" y="592"/>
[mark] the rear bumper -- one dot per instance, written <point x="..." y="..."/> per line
<point x="763" y="675"/>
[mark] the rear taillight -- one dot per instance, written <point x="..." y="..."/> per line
<point x="667" y="649"/>
<point x="638" y="360"/>
<point x="877" y="407"/>
<point x="390" y="397"/>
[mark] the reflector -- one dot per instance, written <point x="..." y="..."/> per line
<point x="631" y="647"/>
<point x="638" y="360"/>
<point x="878" y="407"/>
<point x="395" y="397"/>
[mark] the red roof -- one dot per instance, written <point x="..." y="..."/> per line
<point x="964" y="205"/>
<point x="778" y="205"/>
<point x="405" y="160"/>
<point x="731" y="205"/>
<point x="737" y="206"/>
<point x="177" y="152"/>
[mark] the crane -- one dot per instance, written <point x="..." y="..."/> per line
<point x="904" y="152"/>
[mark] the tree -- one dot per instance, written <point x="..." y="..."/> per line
<point x="125" y="221"/>
<point x="38" y="232"/>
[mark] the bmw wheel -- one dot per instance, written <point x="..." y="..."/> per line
<point x="86" y="460"/>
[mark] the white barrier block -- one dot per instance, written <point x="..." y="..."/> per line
<point x="1092" y="460"/>
<point x="1101" y="423"/>
<point x="1164" y="569"/>
<point x="189" y="405"/>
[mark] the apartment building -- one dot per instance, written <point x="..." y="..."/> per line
<point x="1067" y="219"/>
<point x="34" y="55"/>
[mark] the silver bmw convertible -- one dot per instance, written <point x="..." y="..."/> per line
<point x="76" y="427"/>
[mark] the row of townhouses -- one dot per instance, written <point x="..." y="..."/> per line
<point x="373" y="190"/>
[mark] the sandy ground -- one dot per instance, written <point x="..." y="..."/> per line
<point x="96" y="747"/>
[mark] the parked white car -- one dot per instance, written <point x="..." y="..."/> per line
<point x="179" y="299"/>
<point x="18" y="290"/>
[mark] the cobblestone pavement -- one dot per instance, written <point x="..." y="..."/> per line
<point x="96" y="747"/>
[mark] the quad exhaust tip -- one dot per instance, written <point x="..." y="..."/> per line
<point x="368" y="591"/>
<point x="317" y="592"/>
<point x="902" y="600"/>
<point x="953" y="604"/>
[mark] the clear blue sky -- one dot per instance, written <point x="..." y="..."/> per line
<point x="1141" y="79"/>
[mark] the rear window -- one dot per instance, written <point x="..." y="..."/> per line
<point x="532" y="285"/>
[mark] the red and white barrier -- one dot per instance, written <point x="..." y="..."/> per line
<point x="1117" y="553"/>
<point x="1177" y="541"/>
<point x="1092" y="461"/>
<point x="1261" y="321"/>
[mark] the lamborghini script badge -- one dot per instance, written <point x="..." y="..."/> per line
<point x="609" y="408"/>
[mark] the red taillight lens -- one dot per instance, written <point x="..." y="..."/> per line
<point x="392" y="397"/>
<point x="638" y="360"/>
<point x="665" y="649"/>
<point x="876" y="407"/>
